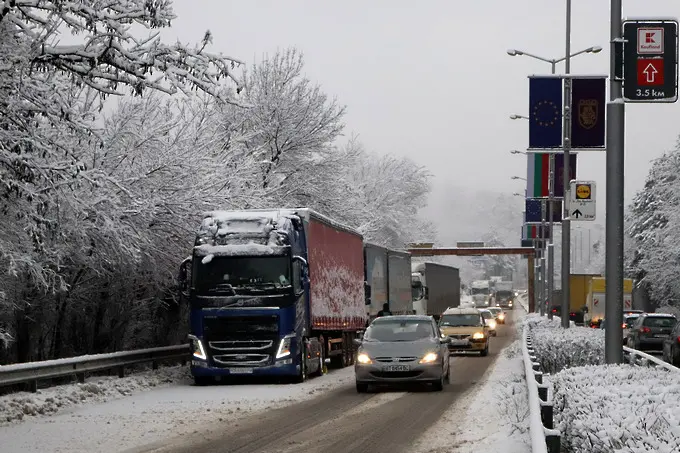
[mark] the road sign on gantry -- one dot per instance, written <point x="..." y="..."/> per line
<point x="582" y="200"/>
<point x="650" y="60"/>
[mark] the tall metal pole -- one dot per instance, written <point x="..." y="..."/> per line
<point x="566" y="224"/>
<point x="551" y="228"/>
<point x="545" y="241"/>
<point x="616" y="115"/>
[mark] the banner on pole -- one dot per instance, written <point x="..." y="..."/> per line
<point x="588" y="106"/>
<point x="545" y="112"/>
<point x="535" y="232"/>
<point x="533" y="214"/>
<point x="538" y="174"/>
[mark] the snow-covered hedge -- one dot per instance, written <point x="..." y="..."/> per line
<point x="617" y="408"/>
<point x="558" y="348"/>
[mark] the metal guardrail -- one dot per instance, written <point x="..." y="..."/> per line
<point x="544" y="438"/>
<point x="33" y="372"/>
<point x="523" y="300"/>
<point x="639" y="358"/>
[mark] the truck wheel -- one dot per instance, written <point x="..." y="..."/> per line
<point x="302" y="374"/>
<point x="319" y="372"/>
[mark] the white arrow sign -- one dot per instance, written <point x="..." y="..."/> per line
<point x="582" y="200"/>
<point x="650" y="71"/>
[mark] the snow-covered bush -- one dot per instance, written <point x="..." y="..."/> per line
<point x="558" y="348"/>
<point x="617" y="408"/>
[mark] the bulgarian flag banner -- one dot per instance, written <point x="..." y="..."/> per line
<point x="538" y="174"/>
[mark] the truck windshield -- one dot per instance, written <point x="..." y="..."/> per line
<point x="417" y="292"/>
<point x="504" y="293"/>
<point x="221" y="274"/>
<point x="476" y="291"/>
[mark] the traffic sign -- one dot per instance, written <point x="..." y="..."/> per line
<point x="650" y="60"/>
<point x="470" y="245"/>
<point x="582" y="200"/>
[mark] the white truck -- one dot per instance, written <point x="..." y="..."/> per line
<point x="480" y="290"/>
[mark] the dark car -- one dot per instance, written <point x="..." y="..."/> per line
<point x="650" y="330"/>
<point x="671" y="346"/>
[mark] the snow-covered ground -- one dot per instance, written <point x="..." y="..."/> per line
<point x="491" y="417"/>
<point x="111" y="414"/>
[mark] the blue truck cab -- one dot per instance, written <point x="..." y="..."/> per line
<point x="247" y="286"/>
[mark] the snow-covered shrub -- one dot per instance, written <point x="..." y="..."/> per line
<point x="558" y="348"/>
<point x="617" y="408"/>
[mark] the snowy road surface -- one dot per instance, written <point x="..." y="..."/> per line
<point x="342" y="420"/>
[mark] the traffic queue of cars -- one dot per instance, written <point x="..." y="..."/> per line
<point x="652" y="332"/>
<point x="416" y="348"/>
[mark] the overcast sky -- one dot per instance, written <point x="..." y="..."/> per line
<point x="432" y="79"/>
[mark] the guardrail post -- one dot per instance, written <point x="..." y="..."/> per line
<point x="539" y="377"/>
<point x="535" y="365"/>
<point x="183" y="362"/>
<point x="154" y="365"/>
<point x="547" y="414"/>
<point x="553" y="443"/>
<point x="80" y="377"/>
<point x="543" y="392"/>
<point x="121" y="371"/>
<point x="32" y="386"/>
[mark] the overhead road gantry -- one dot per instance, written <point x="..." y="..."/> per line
<point x="528" y="252"/>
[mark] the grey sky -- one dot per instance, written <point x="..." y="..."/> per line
<point x="433" y="81"/>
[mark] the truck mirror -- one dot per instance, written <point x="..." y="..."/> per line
<point x="426" y="292"/>
<point x="183" y="276"/>
<point x="367" y="293"/>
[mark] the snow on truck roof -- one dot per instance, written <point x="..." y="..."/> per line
<point x="266" y="216"/>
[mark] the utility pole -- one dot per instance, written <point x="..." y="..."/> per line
<point x="566" y="223"/>
<point x="615" y="182"/>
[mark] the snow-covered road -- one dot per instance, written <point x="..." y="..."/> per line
<point x="122" y="414"/>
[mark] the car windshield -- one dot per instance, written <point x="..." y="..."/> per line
<point x="487" y="315"/>
<point x="658" y="321"/>
<point x="460" y="320"/>
<point x="388" y="330"/>
<point x="495" y="311"/>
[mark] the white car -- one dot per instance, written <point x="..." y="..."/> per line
<point x="489" y="320"/>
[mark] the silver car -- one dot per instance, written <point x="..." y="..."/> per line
<point x="402" y="349"/>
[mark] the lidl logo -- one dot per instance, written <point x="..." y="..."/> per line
<point x="583" y="192"/>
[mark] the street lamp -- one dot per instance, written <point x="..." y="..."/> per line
<point x="566" y="223"/>
<point x="515" y="151"/>
<point x="518" y="117"/>
<point x="554" y="61"/>
<point x="518" y="194"/>
<point x="518" y="177"/>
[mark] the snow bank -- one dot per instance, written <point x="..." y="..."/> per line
<point x="493" y="416"/>
<point x="16" y="406"/>
<point x="617" y="408"/>
<point x="558" y="348"/>
<point x="157" y="415"/>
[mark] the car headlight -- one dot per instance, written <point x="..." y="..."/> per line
<point x="197" y="348"/>
<point x="284" y="346"/>
<point x="478" y="336"/>
<point x="429" y="358"/>
<point x="364" y="359"/>
<point x="501" y="316"/>
<point x="492" y="324"/>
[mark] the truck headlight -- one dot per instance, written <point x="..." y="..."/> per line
<point x="429" y="358"/>
<point x="284" y="346"/>
<point x="364" y="359"/>
<point x="197" y="348"/>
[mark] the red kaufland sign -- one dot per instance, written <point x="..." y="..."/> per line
<point x="650" y="72"/>
<point x="650" y="41"/>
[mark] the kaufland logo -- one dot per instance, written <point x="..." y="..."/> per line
<point x="650" y="41"/>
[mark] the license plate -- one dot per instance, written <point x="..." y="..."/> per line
<point x="459" y="342"/>
<point x="660" y="335"/>
<point x="240" y="371"/>
<point x="396" y="368"/>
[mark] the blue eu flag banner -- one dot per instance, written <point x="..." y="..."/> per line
<point x="545" y="112"/>
<point x="533" y="211"/>
<point x="588" y="104"/>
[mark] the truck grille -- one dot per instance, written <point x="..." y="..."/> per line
<point x="248" y="341"/>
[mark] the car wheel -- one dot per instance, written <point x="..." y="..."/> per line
<point x="362" y="388"/>
<point x="447" y="379"/>
<point x="438" y="386"/>
<point x="485" y="352"/>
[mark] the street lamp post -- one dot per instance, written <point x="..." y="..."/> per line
<point x="566" y="224"/>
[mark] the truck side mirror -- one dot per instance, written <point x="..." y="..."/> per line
<point x="300" y="259"/>
<point x="183" y="277"/>
<point x="426" y="292"/>
<point x="367" y="293"/>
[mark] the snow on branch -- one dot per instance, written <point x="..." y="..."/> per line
<point x="109" y="55"/>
